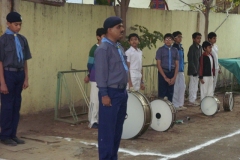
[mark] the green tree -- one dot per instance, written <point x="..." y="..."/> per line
<point x="147" y="39"/>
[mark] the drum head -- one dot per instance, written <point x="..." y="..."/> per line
<point x="134" y="119"/>
<point x="162" y="116"/>
<point x="209" y="106"/>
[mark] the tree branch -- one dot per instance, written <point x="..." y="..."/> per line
<point x="194" y="6"/>
<point x="127" y="4"/>
<point x="227" y="12"/>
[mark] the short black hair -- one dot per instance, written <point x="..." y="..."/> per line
<point x="175" y="34"/>
<point x="133" y="35"/>
<point x="168" y="35"/>
<point x="100" y="32"/>
<point x="211" y="35"/>
<point x="194" y="35"/>
<point x="205" y="44"/>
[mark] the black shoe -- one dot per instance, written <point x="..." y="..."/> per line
<point x="18" y="141"/>
<point x="9" y="142"/>
<point x="95" y="126"/>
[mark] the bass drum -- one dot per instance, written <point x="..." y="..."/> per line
<point x="210" y="105"/>
<point x="138" y="117"/>
<point x="164" y="115"/>
<point x="228" y="101"/>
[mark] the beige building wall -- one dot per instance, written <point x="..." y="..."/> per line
<point x="228" y="35"/>
<point x="61" y="37"/>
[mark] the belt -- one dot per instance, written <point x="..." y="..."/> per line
<point x="118" y="86"/>
<point x="167" y="71"/>
<point x="13" y="69"/>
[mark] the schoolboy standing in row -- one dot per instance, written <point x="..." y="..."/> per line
<point x="134" y="61"/>
<point x="206" y="70"/>
<point x="14" y="53"/>
<point x="167" y="63"/>
<point x="179" y="86"/>
<point x="194" y="53"/>
<point x="212" y="38"/>
<point x="94" y="104"/>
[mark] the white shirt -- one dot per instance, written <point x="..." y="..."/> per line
<point x="134" y="57"/>
<point x="215" y="55"/>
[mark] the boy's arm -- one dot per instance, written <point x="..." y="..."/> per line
<point x="4" y="88"/>
<point x="191" y="60"/>
<point x="25" y="84"/>
<point x="142" y="86"/>
<point x="129" y="79"/>
<point x="160" y="70"/>
<point x="201" y="69"/>
<point x="175" y="72"/>
<point x="90" y="63"/>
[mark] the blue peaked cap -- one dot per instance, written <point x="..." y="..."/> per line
<point x="111" y="22"/>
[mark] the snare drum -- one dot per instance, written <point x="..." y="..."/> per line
<point x="228" y="101"/>
<point x="163" y="115"/>
<point x="210" y="105"/>
<point x="138" y="117"/>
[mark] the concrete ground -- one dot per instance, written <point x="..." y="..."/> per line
<point x="201" y="138"/>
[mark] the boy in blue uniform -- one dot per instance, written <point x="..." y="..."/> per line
<point x="111" y="77"/>
<point x="179" y="86"/>
<point x="167" y="63"/>
<point x="14" y="53"/>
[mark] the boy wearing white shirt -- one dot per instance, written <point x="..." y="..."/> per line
<point x="134" y="61"/>
<point x="212" y="38"/>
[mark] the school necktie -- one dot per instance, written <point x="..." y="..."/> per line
<point x="17" y="43"/>
<point x="169" y="58"/>
<point x="119" y="52"/>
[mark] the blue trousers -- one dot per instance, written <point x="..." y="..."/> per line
<point x="111" y="123"/>
<point x="164" y="89"/>
<point x="11" y="104"/>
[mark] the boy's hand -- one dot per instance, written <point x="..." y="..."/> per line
<point x="4" y="89"/>
<point x="106" y="101"/>
<point x="172" y="81"/>
<point x="142" y="86"/>
<point x="130" y="86"/>
<point x="86" y="79"/>
<point x="167" y="80"/>
<point x="202" y="81"/>
<point x="25" y="84"/>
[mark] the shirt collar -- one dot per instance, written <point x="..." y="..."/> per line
<point x="133" y="49"/>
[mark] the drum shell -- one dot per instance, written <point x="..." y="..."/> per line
<point x="147" y="113"/>
<point x="226" y="99"/>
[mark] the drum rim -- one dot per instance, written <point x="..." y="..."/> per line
<point x="218" y="105"/>
<point x="173" y="110"/>
<point x="225" y="102"/>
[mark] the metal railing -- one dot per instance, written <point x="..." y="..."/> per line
<point x="71" y="101"/>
